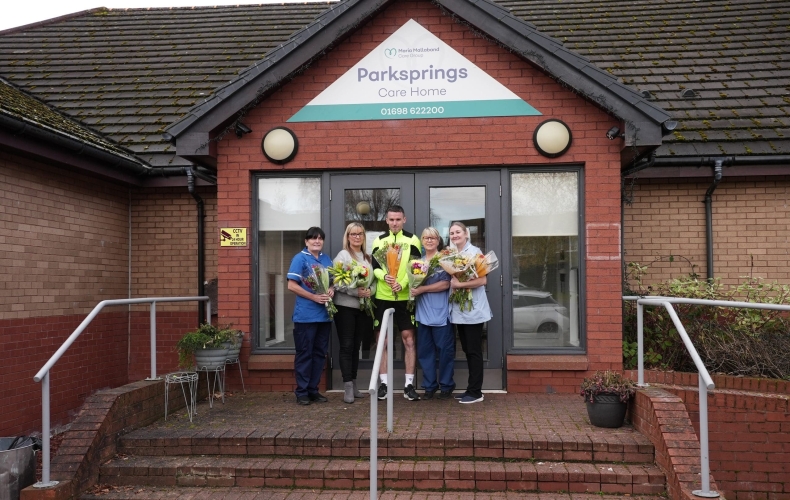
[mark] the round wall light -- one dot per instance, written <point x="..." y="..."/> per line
<point x="552" y="138"/>
<point x="279" y="145"/>
<point x="363" y="207"/>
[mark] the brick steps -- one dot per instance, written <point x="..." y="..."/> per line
<point x="577" y="448"/>
<point x="407" y="474"/>
<point x="242" y="493"/>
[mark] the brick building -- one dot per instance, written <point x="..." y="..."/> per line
<point x="127" y="134"/>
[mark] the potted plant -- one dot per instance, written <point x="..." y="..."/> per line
<point x="233" y="344"/>
<point x="606" y="394"/>
<point x="208" y="344"/>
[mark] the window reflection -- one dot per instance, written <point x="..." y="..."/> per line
<point x="369" y="207"/>
<point x="545" y="259"/>
<point x="466" y="204"/>
<point x="287" y="207"/>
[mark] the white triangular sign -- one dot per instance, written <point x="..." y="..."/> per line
<point x="413" y="75"/>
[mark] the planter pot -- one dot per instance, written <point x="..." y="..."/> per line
<point x="233" y="351"/>
<point x="210" y="359"/>
<point x="607" y="411"/>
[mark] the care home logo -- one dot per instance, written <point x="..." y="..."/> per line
<point x="390" y="53"/>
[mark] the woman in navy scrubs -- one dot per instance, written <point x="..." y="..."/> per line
<point x="312" y="325"/>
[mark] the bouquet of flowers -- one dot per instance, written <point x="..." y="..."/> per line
<point x="388" y="257"/>
<point x="318" y="281"/>
<point x="466" y="267"/>
<point x="417" y="272"/>
<point x="433" y="263"/>
<point x="461" y="266"/>
<point x="484" y="264"/>
<point x="353" y="275"/>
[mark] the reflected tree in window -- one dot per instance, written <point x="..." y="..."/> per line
<point x="545" y="259"/>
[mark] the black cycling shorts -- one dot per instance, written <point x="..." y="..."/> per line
<point x="401" y="318"/>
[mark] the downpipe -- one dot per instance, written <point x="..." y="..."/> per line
<point x="717" y="174"/>
<point x="201" y="246"/>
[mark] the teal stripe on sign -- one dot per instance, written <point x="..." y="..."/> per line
<point x="413" y="111"/>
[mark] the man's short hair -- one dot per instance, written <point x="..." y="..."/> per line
<point x="397" y="209"/>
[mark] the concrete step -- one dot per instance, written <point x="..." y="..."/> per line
<point x="400" y="474"/>
<point x="603" y="447"/>
<point x="103" y="492"/>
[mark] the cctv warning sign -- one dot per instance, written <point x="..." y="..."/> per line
<point x="233" y="237"/>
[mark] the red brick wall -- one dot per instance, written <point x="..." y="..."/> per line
<point x="63" y="249"/>
<point x="170" y="326"/>
<point x="451" y="143"/>
<point x="164" y="242"/>
<point x="749" y="432"/>
<point x="661" y="417"/>
<point x="751" y="226"/>
<point x="749" y="436"/>
<point x="96" y="360"/>
<point x="91" y="440"/>
<point x="164" y="264"/>
<point x="64" y="244"/>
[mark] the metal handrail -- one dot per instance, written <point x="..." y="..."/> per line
<point x="43" y="374"/>
<point x="386" y="329"/>
<point x="705" y="380"/>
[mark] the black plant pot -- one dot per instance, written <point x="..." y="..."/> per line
<point x="607" y="411"/>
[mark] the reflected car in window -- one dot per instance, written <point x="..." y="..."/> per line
<point x="536" y="311"/>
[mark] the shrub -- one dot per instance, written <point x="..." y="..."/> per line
<point x="607" y="382"/>
<point x="734" y="341"/>
<point x="207" y="336"/>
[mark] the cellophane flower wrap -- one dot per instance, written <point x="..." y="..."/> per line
<point x="388" y="257"/>
<point x="417" y="273"/>
<point x="318" y="281"/>
<point x="349" y="275"/>
<point x="484" y="264"/>
<point x="460" y="265"/>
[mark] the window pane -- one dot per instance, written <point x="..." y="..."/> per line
<point x="465" y="204"/>
<point x="545" y="250"/>
<point x="369" y="208"/>
<point x="287" y="207"/>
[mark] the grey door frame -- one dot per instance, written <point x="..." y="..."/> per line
<point x="415" y="194"/>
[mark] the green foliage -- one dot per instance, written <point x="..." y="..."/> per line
<point x="735" y="341"/>
<point x="207" y="336"/>
<point x="607" y="382"/>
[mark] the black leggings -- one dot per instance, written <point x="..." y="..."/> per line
<point x="352" y="326"/>
<point x="471" y="337"/>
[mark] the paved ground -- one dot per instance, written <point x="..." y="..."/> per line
<point x="154" y="493"/>
<point x="551" y="420"/>
<point x="511" y="414"/>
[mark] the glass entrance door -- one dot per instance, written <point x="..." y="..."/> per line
<point x="429" y="199"/>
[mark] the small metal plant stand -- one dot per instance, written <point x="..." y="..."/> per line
<point x="241" y="375"/>
<point x="218" y="384"/>
<point x="182" y="378"/>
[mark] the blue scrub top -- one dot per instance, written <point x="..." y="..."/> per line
<point x="305" y="310"/>
<point x="433" y="308"/>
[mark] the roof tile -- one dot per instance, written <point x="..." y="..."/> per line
<point x="734" y="54"/>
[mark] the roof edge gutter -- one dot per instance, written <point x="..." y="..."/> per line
<point x="702" y="161"/>
<point x="198" y="171"/>
<point x="74" y="145"/>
